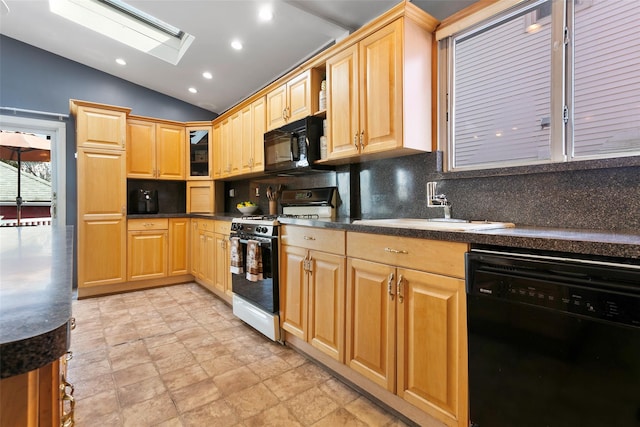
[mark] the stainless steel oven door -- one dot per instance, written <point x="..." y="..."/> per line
<point x="263" y="293"/>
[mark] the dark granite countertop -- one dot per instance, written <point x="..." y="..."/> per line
<point x="587" y="242"/>
<point x="578" y="241"/>
<point x="35" y="296"/>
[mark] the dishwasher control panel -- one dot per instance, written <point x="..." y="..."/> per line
<point x="573" y="289"/>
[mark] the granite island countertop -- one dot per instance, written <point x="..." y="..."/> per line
<point x="35" y="296"/>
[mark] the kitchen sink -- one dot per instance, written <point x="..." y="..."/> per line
<point x="439" y="224"/>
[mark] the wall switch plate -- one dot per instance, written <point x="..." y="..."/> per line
<point x="232" y="193"/>
<point x="257" y="191"/>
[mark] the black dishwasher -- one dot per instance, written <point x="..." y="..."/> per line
<point x="553" y="340"/>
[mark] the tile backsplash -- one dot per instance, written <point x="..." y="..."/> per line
<point x="593" y="199"/>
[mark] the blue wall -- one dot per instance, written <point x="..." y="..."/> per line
<point x="33" y="79"/>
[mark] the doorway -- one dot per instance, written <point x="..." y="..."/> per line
<point x="55" y="130"/>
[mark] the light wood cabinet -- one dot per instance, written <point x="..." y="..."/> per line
<point x="234" y="143"/>
<point x="253" y="129"/>
<point x="147" y="249"/>
<point x="199" y="151"/>
<point x="312" y="287"/>
<point x="406" y="329"/>
<point x="99" y="126"/>
<point x="200" y="196"/>
<point x="218" y="163"/>
<point x="222" y="259"/>
<point x="206" y="251"/>
<point x="194" y="248"/>
<point x="155" y="149"/>
<point x="379" y="92"/>
<point x="102" y="194"/>
<point x="41" y="397"/>
<point x="294" y="100"/>
<point x="102" y="226"/>
<point x="179" y="245"/>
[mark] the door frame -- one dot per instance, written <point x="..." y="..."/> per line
<point x="58" y="132"/>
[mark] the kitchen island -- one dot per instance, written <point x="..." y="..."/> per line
<point x="35" y="320"/>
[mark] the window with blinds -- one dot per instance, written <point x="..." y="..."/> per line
<point x="531" y="86"/>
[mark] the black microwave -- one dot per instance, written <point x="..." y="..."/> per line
<point x="294" y="147"/>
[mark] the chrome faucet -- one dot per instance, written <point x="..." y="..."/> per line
<point x="437" y="200"/>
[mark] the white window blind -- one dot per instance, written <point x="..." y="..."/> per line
<point x="501" y="104"/>
<point x="607" y="79"/>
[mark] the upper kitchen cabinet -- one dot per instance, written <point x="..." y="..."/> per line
<point x="155" y="149"/>
<point x="253" y="129"/>
<point x="100" y="126"/>
<point x="379" y="90"/>
<point x="294" y="100"/>
<point x="199" y="151"/>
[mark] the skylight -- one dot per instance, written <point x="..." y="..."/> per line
<point x="126" y="24"/>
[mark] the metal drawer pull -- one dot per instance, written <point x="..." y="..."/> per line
<point x="72" y="323"/>
<point x="395" y="251"/>
<point x="390" y="285"/>
<point x="309" y="238"/>
<point x="400" y="296"/>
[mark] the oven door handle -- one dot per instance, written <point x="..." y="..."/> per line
<point x="245" y="241"/>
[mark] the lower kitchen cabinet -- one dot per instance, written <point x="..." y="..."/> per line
<point x="41" y="397"/>
<point x="178" y="246"/>
<point x="222" y="259"/>
<point x="312" y="287"/>
<point x="406" y="327"/>
<point x="206" y="251"/>
<point x="147" y="249"/>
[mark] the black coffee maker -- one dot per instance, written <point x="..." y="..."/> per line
<point x="143" y="201"/>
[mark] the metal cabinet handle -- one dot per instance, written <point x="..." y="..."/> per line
<point x="72" y="323"/>
<point x="361" y="138"/>
<point x="400" y="283"/>
<point x="395" y="251"/>
<point x="66" y="395"/>
<point x="390" y="285"/>
<point x="309" y="238"/>
<point x="355" y="140"/>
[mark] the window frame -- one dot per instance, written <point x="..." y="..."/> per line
<point x="562" y="82"/>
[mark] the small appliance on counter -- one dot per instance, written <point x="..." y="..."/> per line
<point x="311" y="203"/>
<point x="143" y="201"/>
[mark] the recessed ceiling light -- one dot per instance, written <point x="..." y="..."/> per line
<point x="193" y="90"/>
<point x="236" y="44"/>
<point x="207" y="75"/>
<point x="265" y="14"/>
<point x="121" y="61"/>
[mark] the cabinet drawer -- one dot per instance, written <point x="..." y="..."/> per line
<point x="206" y="225"/>
<point x="320" y="239"/>
<point x="223" y="227"/>
<point x="435" y="256"/>
<point x="148" y="224"/>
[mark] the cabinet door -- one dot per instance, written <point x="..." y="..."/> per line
<point x="343" y="110"/>
<point x="293" y="291"/>
<point x="326" y="303"/>
<point x="141" y="149"/>
<point x="431" y="342"/>
<point x="220" y="261"/>
<point x="178" y="246"/>
<point x="235" y="143"/>
<point x="370" y="325"/>
<point x="199" y="149"/>
<point x="246" y="140"/>
<point x="100" y="128"/>
<point x="170" y="149"/>
<point x="299" y="97"/>
<point x="102" y="228"/>
<point x="258" y="115"/>
<point x="381" y="89"/>
<point x="225" y="147"/>
<point x="207" y="253"/>
<point x="147" y="254"/>
<point x="194" y="253"/>
<point x="218" y="164"/>
<point x="276" y="107"/>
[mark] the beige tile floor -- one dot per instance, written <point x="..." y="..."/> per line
<point x="177" y="356"/>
